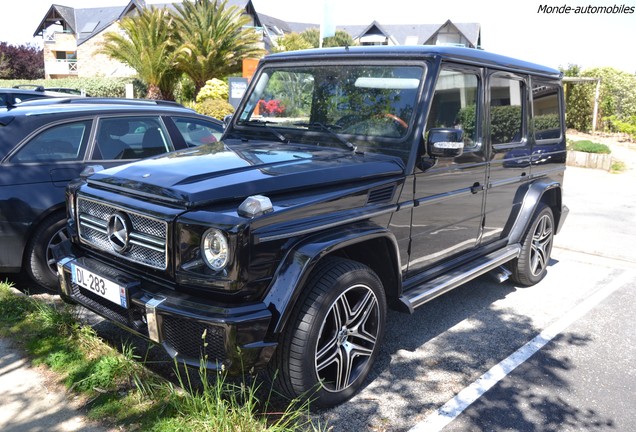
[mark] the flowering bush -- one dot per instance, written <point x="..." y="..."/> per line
<point x="272" y="107"/>
<point x="214" y="89"/>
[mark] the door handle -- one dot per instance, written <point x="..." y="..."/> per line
<point x="476" y="188"/>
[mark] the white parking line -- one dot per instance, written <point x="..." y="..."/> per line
<point x="454" y="407"/>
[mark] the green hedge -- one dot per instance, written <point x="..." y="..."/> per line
<point x="589" y="147"/>
<point x="96" y="87"/>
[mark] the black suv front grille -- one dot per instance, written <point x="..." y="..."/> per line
<point x="148" y="236"/>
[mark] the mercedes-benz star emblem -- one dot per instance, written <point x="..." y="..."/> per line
<point x="119" y="231"/>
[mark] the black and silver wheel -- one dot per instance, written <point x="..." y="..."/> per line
<point x="334" y="337"/>
<point x="40" y="263"/>
<point x="536" y="247"/>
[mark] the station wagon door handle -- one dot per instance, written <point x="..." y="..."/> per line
<point x="476" y="188"/>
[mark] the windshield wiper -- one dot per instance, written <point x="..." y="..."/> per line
<point x="328" y="129"/>
<point x="265" y="124"/>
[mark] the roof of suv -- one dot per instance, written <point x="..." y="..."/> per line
<point x="465" y="55"/>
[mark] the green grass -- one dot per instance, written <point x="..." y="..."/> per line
<point x="120" y="390"/>
<point x="589" y="147"/>
<point x="618" y="167"/>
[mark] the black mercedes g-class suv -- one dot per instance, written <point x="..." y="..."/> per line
<point x="349" y="180"/>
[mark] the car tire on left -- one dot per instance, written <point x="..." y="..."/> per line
<point x="40" y="264"/>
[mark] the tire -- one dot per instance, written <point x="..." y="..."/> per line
<point x="340" y="319"/>
<point x="40" y="263"/>
<point x="536" y="247"/>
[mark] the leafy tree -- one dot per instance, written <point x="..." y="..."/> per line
<point x="212" y="40"/>
<point x="341" y="38"/>
<point x="292" y="42"/>
<point x="147" y="46"/>
<point x="21" y="62"/>
<point x="617" y="98"/>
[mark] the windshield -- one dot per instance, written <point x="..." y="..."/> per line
<point x="346" y="106"/>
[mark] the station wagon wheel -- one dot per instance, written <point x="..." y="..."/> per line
<point x="40" y="263"/>
<point x="536" y="247"/>
<point x="331" y="344"/>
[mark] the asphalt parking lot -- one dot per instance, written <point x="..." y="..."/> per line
<point x="578" y="374"/>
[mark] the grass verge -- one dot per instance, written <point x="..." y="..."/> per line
<point x="120" y="391"/>
<point x="617" y="167"/>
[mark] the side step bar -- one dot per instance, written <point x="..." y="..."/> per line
<point x="426" y="292"/>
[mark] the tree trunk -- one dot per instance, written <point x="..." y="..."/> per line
<point x="154" y="92"/>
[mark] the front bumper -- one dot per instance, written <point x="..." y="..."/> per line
<point x="191" y="329"/>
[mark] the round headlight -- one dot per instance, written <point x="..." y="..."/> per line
<point x="215" y="250"/>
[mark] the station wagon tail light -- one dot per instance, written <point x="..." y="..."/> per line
<point x="215" y="249"/>
<point x="255" y="205"/>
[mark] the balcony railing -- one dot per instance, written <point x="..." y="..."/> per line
<point x="61" y="67"/>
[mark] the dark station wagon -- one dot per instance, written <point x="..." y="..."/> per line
<point x="46" y="143"/>
<point x="348" y="181"/>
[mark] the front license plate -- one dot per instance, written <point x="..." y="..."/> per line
<point x="99" y="285"/>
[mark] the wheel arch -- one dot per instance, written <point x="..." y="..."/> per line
<point x="366" y="243"/>
<point x="537" y="193"/>
<point x="58" y="208"/>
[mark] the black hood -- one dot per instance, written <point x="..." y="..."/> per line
<point x="217" y="172"/>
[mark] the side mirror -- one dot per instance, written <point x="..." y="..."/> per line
<point x="227" y="119"/>
<point x="445" y="143"/>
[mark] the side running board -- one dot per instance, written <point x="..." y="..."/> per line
<point x="426" y="292"/>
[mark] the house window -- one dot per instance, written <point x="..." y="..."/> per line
<point x="70" y="56"/>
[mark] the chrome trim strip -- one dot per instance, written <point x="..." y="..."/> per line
<point x="145" y="238"/>
<point x="94" y="223"/>
<point x="146" y="245"/>
<point x="64" y="284"/>
<point x="259" y="239"/>
<point x="153" y="319"/>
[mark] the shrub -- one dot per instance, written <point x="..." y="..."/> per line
<point x="96" y="86"/>
<point x="214" y="89"/>
<point x="616" y="125"/>
<point x="214" y="108"/>
<point x="589" y="147"/>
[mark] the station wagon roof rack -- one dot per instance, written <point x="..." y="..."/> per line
<point x="99" y="101"/>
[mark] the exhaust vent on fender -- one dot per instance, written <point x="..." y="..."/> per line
<point x="380" y="195"/>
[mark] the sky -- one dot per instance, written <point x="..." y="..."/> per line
<point x="513" y="28"/>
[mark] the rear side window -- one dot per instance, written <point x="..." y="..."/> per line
<point x="196" y="132"/>
<point x="546" y="110"/>
<point x="506" y="109"/>
<point x="64" y="142"/>
<point x="130" y="138"/>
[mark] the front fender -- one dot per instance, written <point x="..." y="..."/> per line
<point x="298" y="263"/>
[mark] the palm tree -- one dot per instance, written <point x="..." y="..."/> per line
<point x="147" y="45"/>
<point x="212" y="40"/>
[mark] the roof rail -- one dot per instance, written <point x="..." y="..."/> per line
<point x="99" y="101"/>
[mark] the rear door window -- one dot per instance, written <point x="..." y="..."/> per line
<point x="506" y="109"/>
<point x="130" y="138"/>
